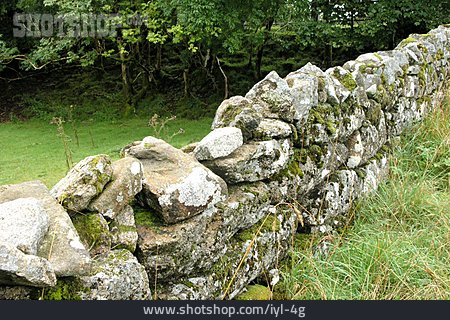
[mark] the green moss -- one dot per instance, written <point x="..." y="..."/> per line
<point x="440" y="55"/>
<point x="331" y="127"/>
<point x="65" y="289"/>
<point x="148" y="145"/>
<point x="407" y="41"/>
<point x="92" y="229"/>
<point x="378" y="56"/>
<point x="363" y="68"/>
<point x="346" y="80"/>
<point x="255" y="292"/>
<point x="147" y="218"/>
<point x="292" y="168"/>
<point x="422" y="75"/>
<point x="361" y="173"/>
<point x="269" y="223"/>
<point x="422" y="48"/>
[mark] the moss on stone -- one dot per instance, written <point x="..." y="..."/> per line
<point x="330" y="127"/>
<point x="65" y="289"/>
<point x="440" y="54"/>
<point x="269" y="223"/>
<point x="92" y="229"/>
<point x="255" y="292"/>
<point x="147" y="218"/>
<point x="407" y="41"/>
<point x="378" y="56"/>
<point x="346" y="80"/>
<point x="292" y="168"/>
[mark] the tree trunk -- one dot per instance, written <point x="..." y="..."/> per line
<point x="260" y="53"/>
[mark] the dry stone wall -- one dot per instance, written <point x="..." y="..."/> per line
<point x="292" y="155"/>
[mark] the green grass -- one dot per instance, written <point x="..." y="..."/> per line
<point x="32" y="150"/>
<point x="399" y="244"/>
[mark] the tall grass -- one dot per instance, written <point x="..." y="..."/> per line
<point x="399" y="245"/>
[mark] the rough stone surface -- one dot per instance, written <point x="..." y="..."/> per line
<point x="116" y="275"/>
<point x="125" y="183"/>
<point x="23" y="224"/>
<point x="176" y="184"/>
<point x="18" y="268"/>
<point x="219" y="143"/>
<point x="239" y="112"/>
<point x="94" y="232"/>
<point x="269" y="129"/>
<point x="252" y="162"/>
<point x="83" y="182"/>
<point x="123" y="230"/>
<point x="61" y="245"/>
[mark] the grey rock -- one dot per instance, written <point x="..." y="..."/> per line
<point x="125" y="183"/>
<point x="219" y="143"/>
<point x="123" y="230"/>
<point x="83" y="182"/>
<point x="17" y="293"/>
<point x="238" y="112"/>
<point x="61" y="245"/>
<point x="116" y="275"/>
<point x="274" y="94"/>
<point x="23" y="224"/>
<point x="176" y="184"/>
<point x="305" y="90"/>
<point x="253" y="161"/>
<point x="18" y="268"/>
<point x="272" y="129"/>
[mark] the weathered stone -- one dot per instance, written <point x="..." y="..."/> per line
<point x="17" y="293"/>
<point x="61" y="245"/>
<point x="23" y="224"/>
<point x="116" y="275"/>
<point x="253" y="161"/>
<point x="238" y="112"/>
<point x="18" y="268"/>
<point x="126" y="182"/>
<point x="274" y="94"/>
<point x="219" y="143"/>
<point x="196" y="244"/>
<point x="83" y="183"/>
<point x="305" y="90"/>
<point x="176" y="184"/>
<point x="269" y="129"/>
<point x="123" y="230"/>
<point x="94" y="232"/>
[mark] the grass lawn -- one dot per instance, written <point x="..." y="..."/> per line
<point x="33" y="150"/>
<point x="399" y="244"/>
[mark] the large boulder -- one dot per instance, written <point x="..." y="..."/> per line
<point x="126" y="182"/>
<point x="219" y="143"/>
<point x="23" y="224"/>
<point x="176" y="184"/>
<point x="18" y="268"/>
<point x="83" y="183"/>
<point x="252" y="162"/>
<point x="61" y="245"/>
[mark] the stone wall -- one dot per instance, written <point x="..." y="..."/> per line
<point x="202" y="222"/>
